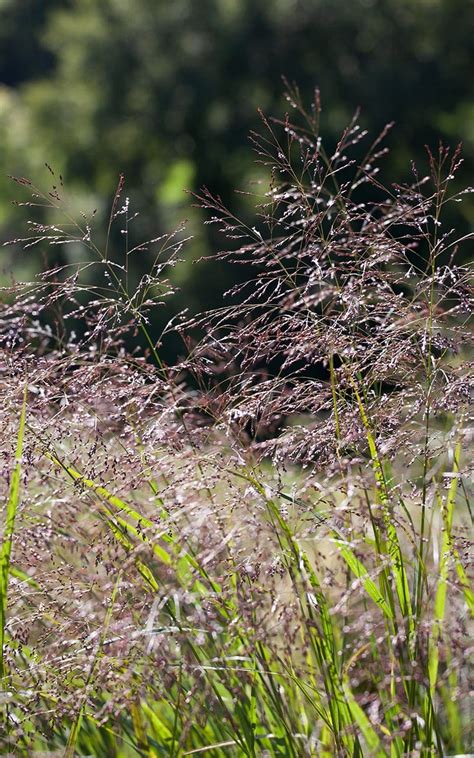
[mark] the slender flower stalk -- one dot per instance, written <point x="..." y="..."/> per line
<point x="249" y="552"/>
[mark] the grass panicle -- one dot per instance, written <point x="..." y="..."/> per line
<point x="264" y="548"/>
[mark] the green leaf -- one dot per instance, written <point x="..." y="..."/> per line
<point x="8" y="532"/>
<point x="359" y="570"/>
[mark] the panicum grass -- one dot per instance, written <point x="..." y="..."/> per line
<point x="263" y="549"/>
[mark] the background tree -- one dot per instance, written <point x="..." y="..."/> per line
<point x="167" y="93"/>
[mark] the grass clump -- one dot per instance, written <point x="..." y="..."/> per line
<point x="250" y="552"/>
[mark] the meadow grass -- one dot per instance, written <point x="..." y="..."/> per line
<point x="263" y="550"/>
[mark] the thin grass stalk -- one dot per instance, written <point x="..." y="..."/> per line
<point x="12" y="504"/>
<point x="88" y="684"/>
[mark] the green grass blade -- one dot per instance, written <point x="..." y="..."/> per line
<point x="359" y="570"/>
<point x="142" y="569"/>
<point x="161" y="731"/>
<point x="393" y="544"/>
<point x="76" y="726"/>
<point x="11" y="511"/>
<point x="464" y="582"/>
<point x="22" y="576"/>
<point x="369" y="734"/>
<point x="121" y="507"/>
<point x="140" y="729"/>
<point x="441" y="590"/>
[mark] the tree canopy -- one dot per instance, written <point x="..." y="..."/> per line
<point x="167" y="93"/>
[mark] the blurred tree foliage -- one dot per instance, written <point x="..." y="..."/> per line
<point x="167" y="91"/>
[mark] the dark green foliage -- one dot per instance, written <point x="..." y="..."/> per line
<point x="167" y="92"/>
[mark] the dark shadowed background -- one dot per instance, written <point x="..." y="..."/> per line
<point x="167" y="92"/>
